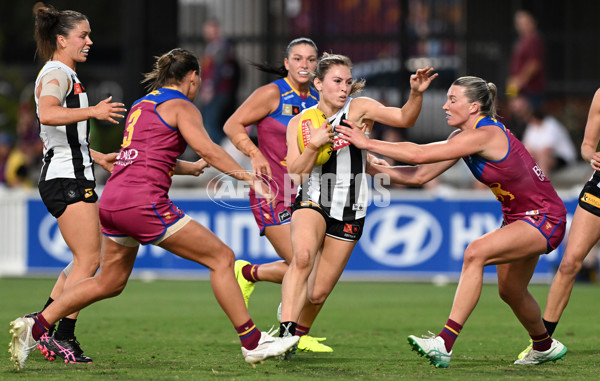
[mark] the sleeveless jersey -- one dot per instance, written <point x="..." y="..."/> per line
<point x="146" y="162"/>
<point x="516" y="180"/>
<point x="272" y="132"/>
<point x="66" y="148"/>
<point x="340" y="185"/>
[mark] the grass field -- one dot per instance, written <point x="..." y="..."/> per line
<point x="174" y="330"/>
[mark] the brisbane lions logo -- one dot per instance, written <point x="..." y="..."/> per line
<point x="501" y="193"/>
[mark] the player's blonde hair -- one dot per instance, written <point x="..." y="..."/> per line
<point x="479" y="91"/>
<point x="327" y="61"/>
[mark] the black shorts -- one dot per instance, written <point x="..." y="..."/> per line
<point x="58" y="193"/>
<point x="589" y="198"/>
<point x="344" y="230"/>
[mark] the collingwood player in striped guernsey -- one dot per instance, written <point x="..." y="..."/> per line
<point x="329" y="210"/>
<point x="67" y="180"/>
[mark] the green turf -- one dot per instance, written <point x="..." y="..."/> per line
<point x="174" y="330"/>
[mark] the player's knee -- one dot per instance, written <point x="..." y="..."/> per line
<point x="109" y="289"/>
<point x="474" y="254"/>
<point x="302" y="260"/>
<point x="87" y="265"/>
<point x="570" y="267"/>
<point x="509" y="295"/>
<point x="318" y="297"/>
<point x="225" y="257"/>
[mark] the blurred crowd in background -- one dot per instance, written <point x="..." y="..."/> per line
<point x="541" y="102"/>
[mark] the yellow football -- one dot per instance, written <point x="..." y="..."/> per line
<point x="316" y="118"/>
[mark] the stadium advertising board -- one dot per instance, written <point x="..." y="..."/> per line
<point x="408" y="239"/>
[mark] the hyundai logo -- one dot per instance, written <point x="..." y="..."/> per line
<point x="401" y="236"/>
<point x="52" y="241"/>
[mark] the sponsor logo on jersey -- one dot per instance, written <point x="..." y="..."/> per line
<point x="284" y="215"/>
<point x="358" y="207"/>
<point x="350" y="228"/>
<point x="89" y="192"/>
<point x="501" y="194"/>
<point x="290" y="110"/>
<point x="339" y="142"/>
<point x="539" y="173"/>
<point x="78" y="88"/>
<point x="589" y="198"/>
<point x="127" y="156"/>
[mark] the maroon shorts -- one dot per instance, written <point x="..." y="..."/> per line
<point x="267" y="214"/>
<point x="551" y="227"/>
<point x="145" y="223"/>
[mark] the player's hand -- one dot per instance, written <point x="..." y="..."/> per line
<point x="107" y="161"/>
<point x="421" y="80"/>
<point x="107" y="110"/>
<point x="353" y="134"/>
<point x="198" y="167"/>
<point x="262" y="189"/>
<point x="595" y="161"/>
<point x="377" y="161"/>
<point x="320" y="136"/>
<point x="260" y="165"/>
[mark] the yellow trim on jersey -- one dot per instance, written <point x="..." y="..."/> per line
<point x="493" y="119"/>
<point x="293" y="90"/>
<point x="146" y="100"/>
<point x="477" y="121"/>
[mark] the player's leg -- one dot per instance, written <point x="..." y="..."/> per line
<point x="115" y="269"/>
<point x="279" y="237"/>
<point x="513" y="279"/>
<point x="272" y="221"/>
<point x="219" y="259"/>
<point x="80" y="228"/>
<point x="583" y="235"/>
<point x="328" y="268"/>
<point x="307" y="234"/>
<point x="59" y="286"/>
<point x="509" y="243"/>
<point x="248" y="274"/>
<point x="514" y="242"/>
<point x="116" y="266"/>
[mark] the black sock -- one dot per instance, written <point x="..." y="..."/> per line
<point x="287" y="328"/>
<point x="66" y="329"/>
<point x="550" y="326"/>
<point x="49" y="302"/>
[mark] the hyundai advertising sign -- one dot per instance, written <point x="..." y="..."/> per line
<point x="408" y="238"/>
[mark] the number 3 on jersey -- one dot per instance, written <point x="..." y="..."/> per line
<point x="133" y="118"/>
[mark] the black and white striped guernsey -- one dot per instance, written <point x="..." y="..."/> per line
<point x="340" y="185"/>
<point x="66" y="148"/>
